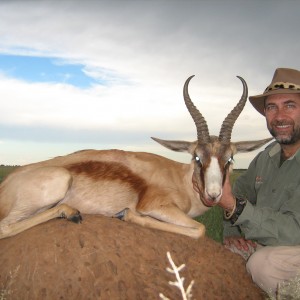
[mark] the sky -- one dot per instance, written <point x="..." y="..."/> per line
<point x="109" y="74"/>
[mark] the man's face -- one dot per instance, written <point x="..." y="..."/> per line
<point x="283" y="117"/>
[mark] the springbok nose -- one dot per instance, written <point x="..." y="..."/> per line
<point x="213" y="196"/>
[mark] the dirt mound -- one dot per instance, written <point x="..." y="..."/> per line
<point x="105" y="258"/>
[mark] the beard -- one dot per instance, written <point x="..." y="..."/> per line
<point x="285" y="139"/>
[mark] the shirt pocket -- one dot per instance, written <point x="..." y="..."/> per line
<point x="258" y="183"/>
<point x="290" y="190"/>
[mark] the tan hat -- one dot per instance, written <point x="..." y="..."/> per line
<point x="285" y="81"/>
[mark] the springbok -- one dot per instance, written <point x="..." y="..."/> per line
<point x="139" y="187"/>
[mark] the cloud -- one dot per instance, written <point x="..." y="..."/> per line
<point x="138" y="55"/>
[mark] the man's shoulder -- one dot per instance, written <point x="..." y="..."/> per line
<point x="272" y="149"/>
<point x="273" y="145"/>
<point x="264" y="156"/>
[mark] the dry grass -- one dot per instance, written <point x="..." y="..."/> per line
<point x="289" y="290"/>
<point x="5" y="289"/>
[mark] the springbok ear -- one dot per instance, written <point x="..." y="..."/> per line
<point x="248" y="146"/>
<point x="179" y="146"/>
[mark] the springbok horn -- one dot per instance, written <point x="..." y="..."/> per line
<point x="227" y="126"/>
<point x="202" y="129"/>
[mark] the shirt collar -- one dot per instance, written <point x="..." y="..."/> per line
<point x="276" y="149"/>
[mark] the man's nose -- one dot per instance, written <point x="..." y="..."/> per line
<point x="280" y="113"/>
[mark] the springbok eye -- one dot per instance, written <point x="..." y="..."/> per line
<point x="230" y="161"/>
<point x="197" y="159"/>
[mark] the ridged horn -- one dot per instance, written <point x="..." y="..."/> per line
<point x="202" y="129"/>
<point x="227" y="126"/>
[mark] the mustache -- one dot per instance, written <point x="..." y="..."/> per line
<point x="281" y="123"/>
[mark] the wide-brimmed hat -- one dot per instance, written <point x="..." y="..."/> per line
<point x="285" y="81"/>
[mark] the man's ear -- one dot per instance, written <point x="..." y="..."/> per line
<point x="179" y="146"/>
<point x="248" y="146"/>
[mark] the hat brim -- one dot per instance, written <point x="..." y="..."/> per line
<point x="258" y="101"/>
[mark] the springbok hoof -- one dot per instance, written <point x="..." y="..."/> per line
<point x="121" y="215"/>
<point x="77" y="218"/>
<point x="67" y="212"/>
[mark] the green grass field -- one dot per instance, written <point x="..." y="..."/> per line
<point x="212" y="219"/>
<point x="5" y="170"/>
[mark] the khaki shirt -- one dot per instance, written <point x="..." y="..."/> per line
<point x="272" y="213"/>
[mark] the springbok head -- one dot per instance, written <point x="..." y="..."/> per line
<point x="212" y="155"/>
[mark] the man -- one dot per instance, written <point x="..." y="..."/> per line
<point x="264" y="206"/>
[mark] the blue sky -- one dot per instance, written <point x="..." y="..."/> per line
<point x="109" y="74"/>
<point x="45" y="69"/>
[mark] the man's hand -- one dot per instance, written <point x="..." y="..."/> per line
<point x="239" y="242"/>
<point x="241" y="246"/>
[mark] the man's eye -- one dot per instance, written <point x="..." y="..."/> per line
<point x="290" y="105"/>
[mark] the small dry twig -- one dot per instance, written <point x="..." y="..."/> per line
<point x="179" y="283"/>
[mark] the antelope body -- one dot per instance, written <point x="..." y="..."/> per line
<point x="139" y="187"/>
